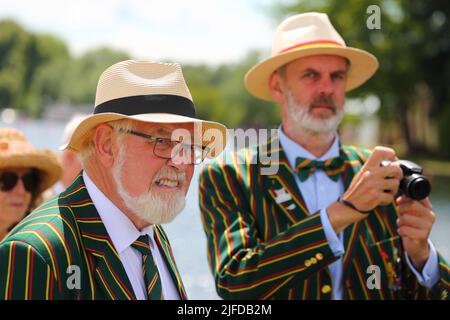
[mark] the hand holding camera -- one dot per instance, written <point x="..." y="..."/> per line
<point x="414" y="185"/>
<point x="380" y="181"/>
<point x="374" y="184"/>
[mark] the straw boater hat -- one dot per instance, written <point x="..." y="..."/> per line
<point x="306" y="35"/>
<point x="17" y="152"/>
<point x="147" y="91"/>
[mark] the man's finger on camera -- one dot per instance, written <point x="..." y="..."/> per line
<point x="372" y="193"/>
<point x="415" y="214"/>
<point x="413" y="233"/>
<point x="386" y="198"/>
<point x="403" y="199"/>
<point x="378" y="155"/>
<point x="375" y="185"/>
<point x="392" y="171"/>
<point x="381" y="175"/>
<point x="414" y="221"/>
<point x="421" y="209"/>
<point x="370" y="189"/>
<point x="391" y="186"/>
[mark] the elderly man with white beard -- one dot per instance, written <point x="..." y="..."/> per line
<point x="101" y="237"/>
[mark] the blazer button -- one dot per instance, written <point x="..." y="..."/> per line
<point x="319" y="256"/>
<point x="326" y="289"/>
<point x="307" y="263"/>
<point x="313" y="260"/>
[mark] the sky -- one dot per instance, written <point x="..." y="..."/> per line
<point x="189" y="31"/>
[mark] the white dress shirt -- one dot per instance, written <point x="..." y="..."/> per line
<point x="123" y="233"/>
<point x="319" y="191"/>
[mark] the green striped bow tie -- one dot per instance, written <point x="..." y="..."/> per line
<point x="151" y="275"/>
<point x="333" y="167"/>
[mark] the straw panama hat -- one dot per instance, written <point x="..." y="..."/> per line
<point x="147" y="91"/>
<point x="304" y="35"/>
<point x="17" y="152"/>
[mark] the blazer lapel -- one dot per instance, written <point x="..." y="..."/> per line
<point x="281" y="186"/>
<point x="164" y="247"/>
<point x="104" y="261"/>
<point x="351" y="233"/>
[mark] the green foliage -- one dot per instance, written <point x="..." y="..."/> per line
<point x="37" y="70"/>
<point x="444" y="132"/>
<point x="81" y="77"/>
<point x="220" y="95"/>
<point x="22" y="57"/>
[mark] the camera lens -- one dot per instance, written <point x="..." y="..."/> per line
<point x="417" y="187"/>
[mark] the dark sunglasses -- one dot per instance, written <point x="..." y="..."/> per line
<point x="8" y="180"/>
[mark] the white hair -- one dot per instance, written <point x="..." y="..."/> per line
<point x="88" y="148"/>
<point x="309" y="123"/>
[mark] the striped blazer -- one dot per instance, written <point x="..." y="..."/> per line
<point x="264" y="244"/>
<point x="62" y="251"/>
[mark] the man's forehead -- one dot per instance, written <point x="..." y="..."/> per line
<point x="163" y="128"/>
<point x="320" y="61"/>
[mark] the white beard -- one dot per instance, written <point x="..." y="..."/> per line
<point x="153" y="207"/>
<point x="312" y="124"/>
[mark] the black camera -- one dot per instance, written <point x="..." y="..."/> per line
<point x="414" y="185"/>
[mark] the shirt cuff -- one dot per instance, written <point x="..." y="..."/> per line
<point x="430" y="273"/>
<point x="335" y="243"/>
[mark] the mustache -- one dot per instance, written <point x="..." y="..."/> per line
<point x="170" y="174"/>
<point x="323" y="100"/>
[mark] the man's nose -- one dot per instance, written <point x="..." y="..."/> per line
<point x="326" y="86"/>
<point x="181" y="160"/>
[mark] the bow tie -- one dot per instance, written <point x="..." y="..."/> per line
<point x="333" y="167"/>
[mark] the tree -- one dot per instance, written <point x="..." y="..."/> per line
<point x="37" y="69"/>
<point x="81" y="76"/>
<point x="219" y="94"/>
<point x="22" y="56"/>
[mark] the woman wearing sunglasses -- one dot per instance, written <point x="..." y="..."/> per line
<point x="25" y="172"/>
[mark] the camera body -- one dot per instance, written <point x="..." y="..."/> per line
<point x="414" y="184"/>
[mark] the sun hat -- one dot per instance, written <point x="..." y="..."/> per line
<point x="17" y="152"/>
<point x="70" y="126"/>
<point x="304" y="35"/>
<point x="147" y="91"/>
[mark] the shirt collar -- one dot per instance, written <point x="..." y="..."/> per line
<point x="294" y="150"/>
<point x="120" y="228"/>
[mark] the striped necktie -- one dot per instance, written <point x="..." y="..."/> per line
<point x="149" y="270"/>
<point x="333" y="167"/>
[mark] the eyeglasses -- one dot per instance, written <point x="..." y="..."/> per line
<point x="9" y="179"/>
<point x="166" y="148"/>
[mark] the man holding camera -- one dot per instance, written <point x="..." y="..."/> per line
<point x="328" y="224"/>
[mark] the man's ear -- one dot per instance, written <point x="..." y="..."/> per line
<point x="276" y="87"/>
<point x="105" y="144"/>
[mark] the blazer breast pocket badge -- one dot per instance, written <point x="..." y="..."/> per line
<point x="282" y="196"/>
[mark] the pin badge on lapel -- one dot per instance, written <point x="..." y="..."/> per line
<point x="283" y="196"/>
<point x="394" y="271"/>
<point x="391" y="274"/>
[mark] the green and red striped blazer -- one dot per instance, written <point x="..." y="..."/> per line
<point x="63" y="238"/>
<point x="264" y="244"/>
